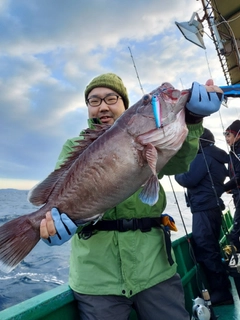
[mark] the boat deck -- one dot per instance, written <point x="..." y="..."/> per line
<point x="59" y="303"/>
<point x="228" y="311"/>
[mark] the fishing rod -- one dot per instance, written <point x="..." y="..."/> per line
<point x="136" y="70"/>
<point x="199" y="279"/>
<point x="231" y="91"/>
<point x="187" y="235"/>
<point x="224" y="224"/>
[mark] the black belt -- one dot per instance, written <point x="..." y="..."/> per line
<point x="123" y="225"/>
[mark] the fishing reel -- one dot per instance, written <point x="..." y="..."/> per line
<point x="232" y="258"/>
<point x="200" y="310"/>
<point x="229" y="251"/>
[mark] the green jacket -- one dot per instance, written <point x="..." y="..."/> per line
<point x="125" y="263"/>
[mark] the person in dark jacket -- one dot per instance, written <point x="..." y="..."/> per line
<point x="232" y="135"/>
<point x="205" y="185"/>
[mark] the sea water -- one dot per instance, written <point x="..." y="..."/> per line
<point x="47" y="267"/>
<point x="43" y="269"/>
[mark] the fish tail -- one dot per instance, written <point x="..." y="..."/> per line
<point x="17" y="238"/>
<point x="150" y="191"/>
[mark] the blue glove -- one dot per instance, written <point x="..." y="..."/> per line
<point x="203" y="103"/>
<point x="65" y="228"/>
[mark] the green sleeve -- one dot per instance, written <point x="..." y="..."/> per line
<point x="181" y="161"/>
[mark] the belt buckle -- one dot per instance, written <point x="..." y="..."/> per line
<point x="127" y="224"/>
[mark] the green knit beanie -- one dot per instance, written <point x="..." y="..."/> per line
<point x="111" y="81"/>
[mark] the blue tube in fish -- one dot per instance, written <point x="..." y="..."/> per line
<point x="156" y="110"/>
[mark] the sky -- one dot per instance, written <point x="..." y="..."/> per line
<point x="50" y="51"/>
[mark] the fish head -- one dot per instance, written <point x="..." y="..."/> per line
<point x="168" y="132"/>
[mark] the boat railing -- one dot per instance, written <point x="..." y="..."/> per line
<point x="59" y="303"/>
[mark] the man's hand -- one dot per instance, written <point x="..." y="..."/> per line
<point x="56" y="228"/>
<point x="211" y="87"/>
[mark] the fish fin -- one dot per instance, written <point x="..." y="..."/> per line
<point x="17" y="238"/>
<point x="92" y="134"/>
<point x="151" y="157"/>
<point x="150" y="191"/>
<point x="40" y="193"/>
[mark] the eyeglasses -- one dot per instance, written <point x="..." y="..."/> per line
<point x="110" y="99"/>
<point x="226" y="133"/>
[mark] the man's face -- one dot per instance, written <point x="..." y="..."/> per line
<point x="231" y="138"/>
<point x="107" y="113"/>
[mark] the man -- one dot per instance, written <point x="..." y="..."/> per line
<point x="113" y="271"/>
<point x="205" y="184"/>
<point x="232" y="135"/>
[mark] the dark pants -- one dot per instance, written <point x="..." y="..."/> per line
<point x="235" y="232"/>
<point x="206" y="228"/>
<point x="162" y="301"/>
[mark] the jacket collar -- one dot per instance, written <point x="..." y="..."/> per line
<point x="235" y="145"/>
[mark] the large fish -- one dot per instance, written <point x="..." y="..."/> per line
<point x="107" y="167"/>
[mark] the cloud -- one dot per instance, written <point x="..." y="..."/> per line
<point x="50" y="50"/>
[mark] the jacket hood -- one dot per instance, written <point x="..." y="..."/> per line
<point x="207" y="138"/>
<point x="215" y="152"/>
